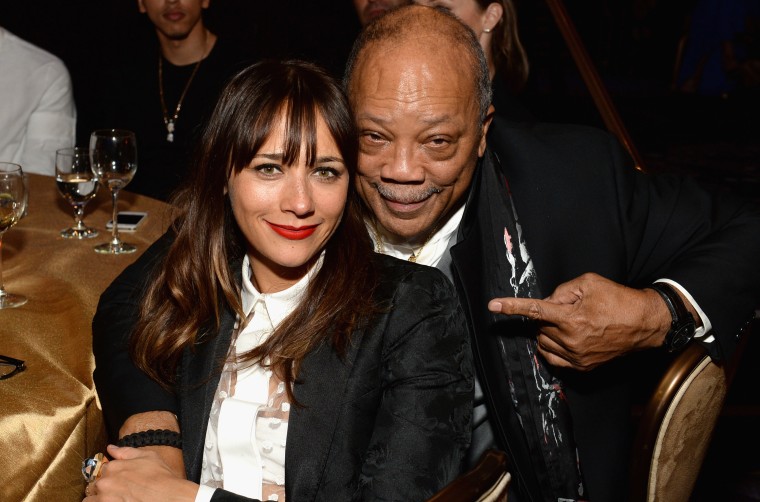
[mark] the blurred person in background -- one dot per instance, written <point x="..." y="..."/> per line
<point x="368" y="10"/>
<point x="37" y="110"/>
<point x="495" y="26"/>
<point x="166" y="95"/>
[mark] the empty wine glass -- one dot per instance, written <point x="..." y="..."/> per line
<point x="113" y="157"/>
<point x="12" y="197"/>
<point x="77" y="184"/>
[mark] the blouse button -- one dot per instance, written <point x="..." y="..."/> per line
<point x="222" y="394"/>
<point x="280" y="387"/>
<point x="285" y="407"/>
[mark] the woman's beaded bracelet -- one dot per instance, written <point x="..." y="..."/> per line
<point x="153" y="437"/>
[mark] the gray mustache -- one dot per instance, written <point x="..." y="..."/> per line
<point x="405" y="196"/>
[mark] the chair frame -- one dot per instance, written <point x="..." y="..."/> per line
<point x="491" y="472"/>
<point x="692" y="360"/>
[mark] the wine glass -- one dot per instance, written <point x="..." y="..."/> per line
<point x="12" y="197"/>
<point x="113" y="156"/>
<point x="77" y="184"/>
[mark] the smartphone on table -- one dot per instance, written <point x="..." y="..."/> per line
<point x="127" y="221"/>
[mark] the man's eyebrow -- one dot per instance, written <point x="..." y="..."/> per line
<point x="438" y="119"/>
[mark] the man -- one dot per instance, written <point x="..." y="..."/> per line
<point x="562" y="213"/>
<point x="166" y="95"/>
<point x="38" y="115"/>
<point x="368" y="10"/>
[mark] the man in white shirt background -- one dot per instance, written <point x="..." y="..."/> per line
<point x="37" y="110"/>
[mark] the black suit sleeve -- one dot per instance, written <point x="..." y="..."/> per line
<point x="707" y="241"/>
<point x="123" y="389"/>
<point x="585" y="208"/>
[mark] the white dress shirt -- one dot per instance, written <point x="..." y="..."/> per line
<point x="37" y="112"/>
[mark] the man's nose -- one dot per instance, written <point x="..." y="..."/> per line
<point x="402" y="165"/>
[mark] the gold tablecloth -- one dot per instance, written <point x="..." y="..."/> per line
<point x="49" y="414"/>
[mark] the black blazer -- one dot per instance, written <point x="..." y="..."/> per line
<point x="389" y="422"/>
<point x="584" y="208"/>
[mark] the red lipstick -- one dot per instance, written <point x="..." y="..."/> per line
<point x="293" y="233"/>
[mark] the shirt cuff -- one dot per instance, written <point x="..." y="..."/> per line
<point x="204" y="494"/>
<point x="706" y="325"/>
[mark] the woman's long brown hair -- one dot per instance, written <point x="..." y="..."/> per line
<point x="507" y="51"/>
<point x="195" y="282"/>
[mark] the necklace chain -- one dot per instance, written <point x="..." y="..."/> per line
<point x="380" y="247"/>
<point x="169" y="122"/>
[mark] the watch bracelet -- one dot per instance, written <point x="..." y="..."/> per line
<point x="677" y="308"/>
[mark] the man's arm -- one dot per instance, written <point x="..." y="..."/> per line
<point x="157" y="420"/>
<point x="52" y="124"/>
<point x="658" y="227"/>
<point x="591" y="320"/>
<point x="131" y="401"/>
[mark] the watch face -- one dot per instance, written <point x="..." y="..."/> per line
<point x="682" y="336"/>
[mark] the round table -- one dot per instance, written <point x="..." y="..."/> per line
<point x="50" y="418"/>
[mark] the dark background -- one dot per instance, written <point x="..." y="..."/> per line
<point x="633" y="44"/>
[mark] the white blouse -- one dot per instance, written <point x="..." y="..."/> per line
<point x="244" y="451"/>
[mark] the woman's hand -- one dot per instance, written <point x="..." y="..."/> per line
<point x="139" y="475"/>
<point x="157" y="420"/>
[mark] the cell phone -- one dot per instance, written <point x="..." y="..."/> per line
<point x="127" y="221"/>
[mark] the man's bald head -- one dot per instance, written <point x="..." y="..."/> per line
<point x="427" y="29"/>
<point x="419" y="88"/>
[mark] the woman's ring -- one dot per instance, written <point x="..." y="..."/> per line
<point x="92" y="466"/>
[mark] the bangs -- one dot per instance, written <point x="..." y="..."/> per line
<point x="296" y="120"/>
<point x="286" y="98"/>
<point x="300" y="130"/>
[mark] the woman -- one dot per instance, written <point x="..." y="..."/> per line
<point x="302" y="364"/>
<point x="495" y="25"/>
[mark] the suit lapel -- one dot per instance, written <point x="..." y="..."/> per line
<point x="477" y="280"/>
<point x="320" y="388"/>
<point x="199" y="379"/>
<point x="539" y="180"/>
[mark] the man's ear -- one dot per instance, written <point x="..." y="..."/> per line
<point x="205" y="4"/>
<point x="141" y="6"/>
<point x="485" y="126"/>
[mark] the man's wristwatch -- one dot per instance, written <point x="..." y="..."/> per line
<point x="683" y="327"/>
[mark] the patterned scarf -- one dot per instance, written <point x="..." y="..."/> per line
<point x="536" y="391"/>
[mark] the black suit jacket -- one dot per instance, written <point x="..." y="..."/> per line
<point x="584" y="208"/>
<point x="389" y="422"/>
